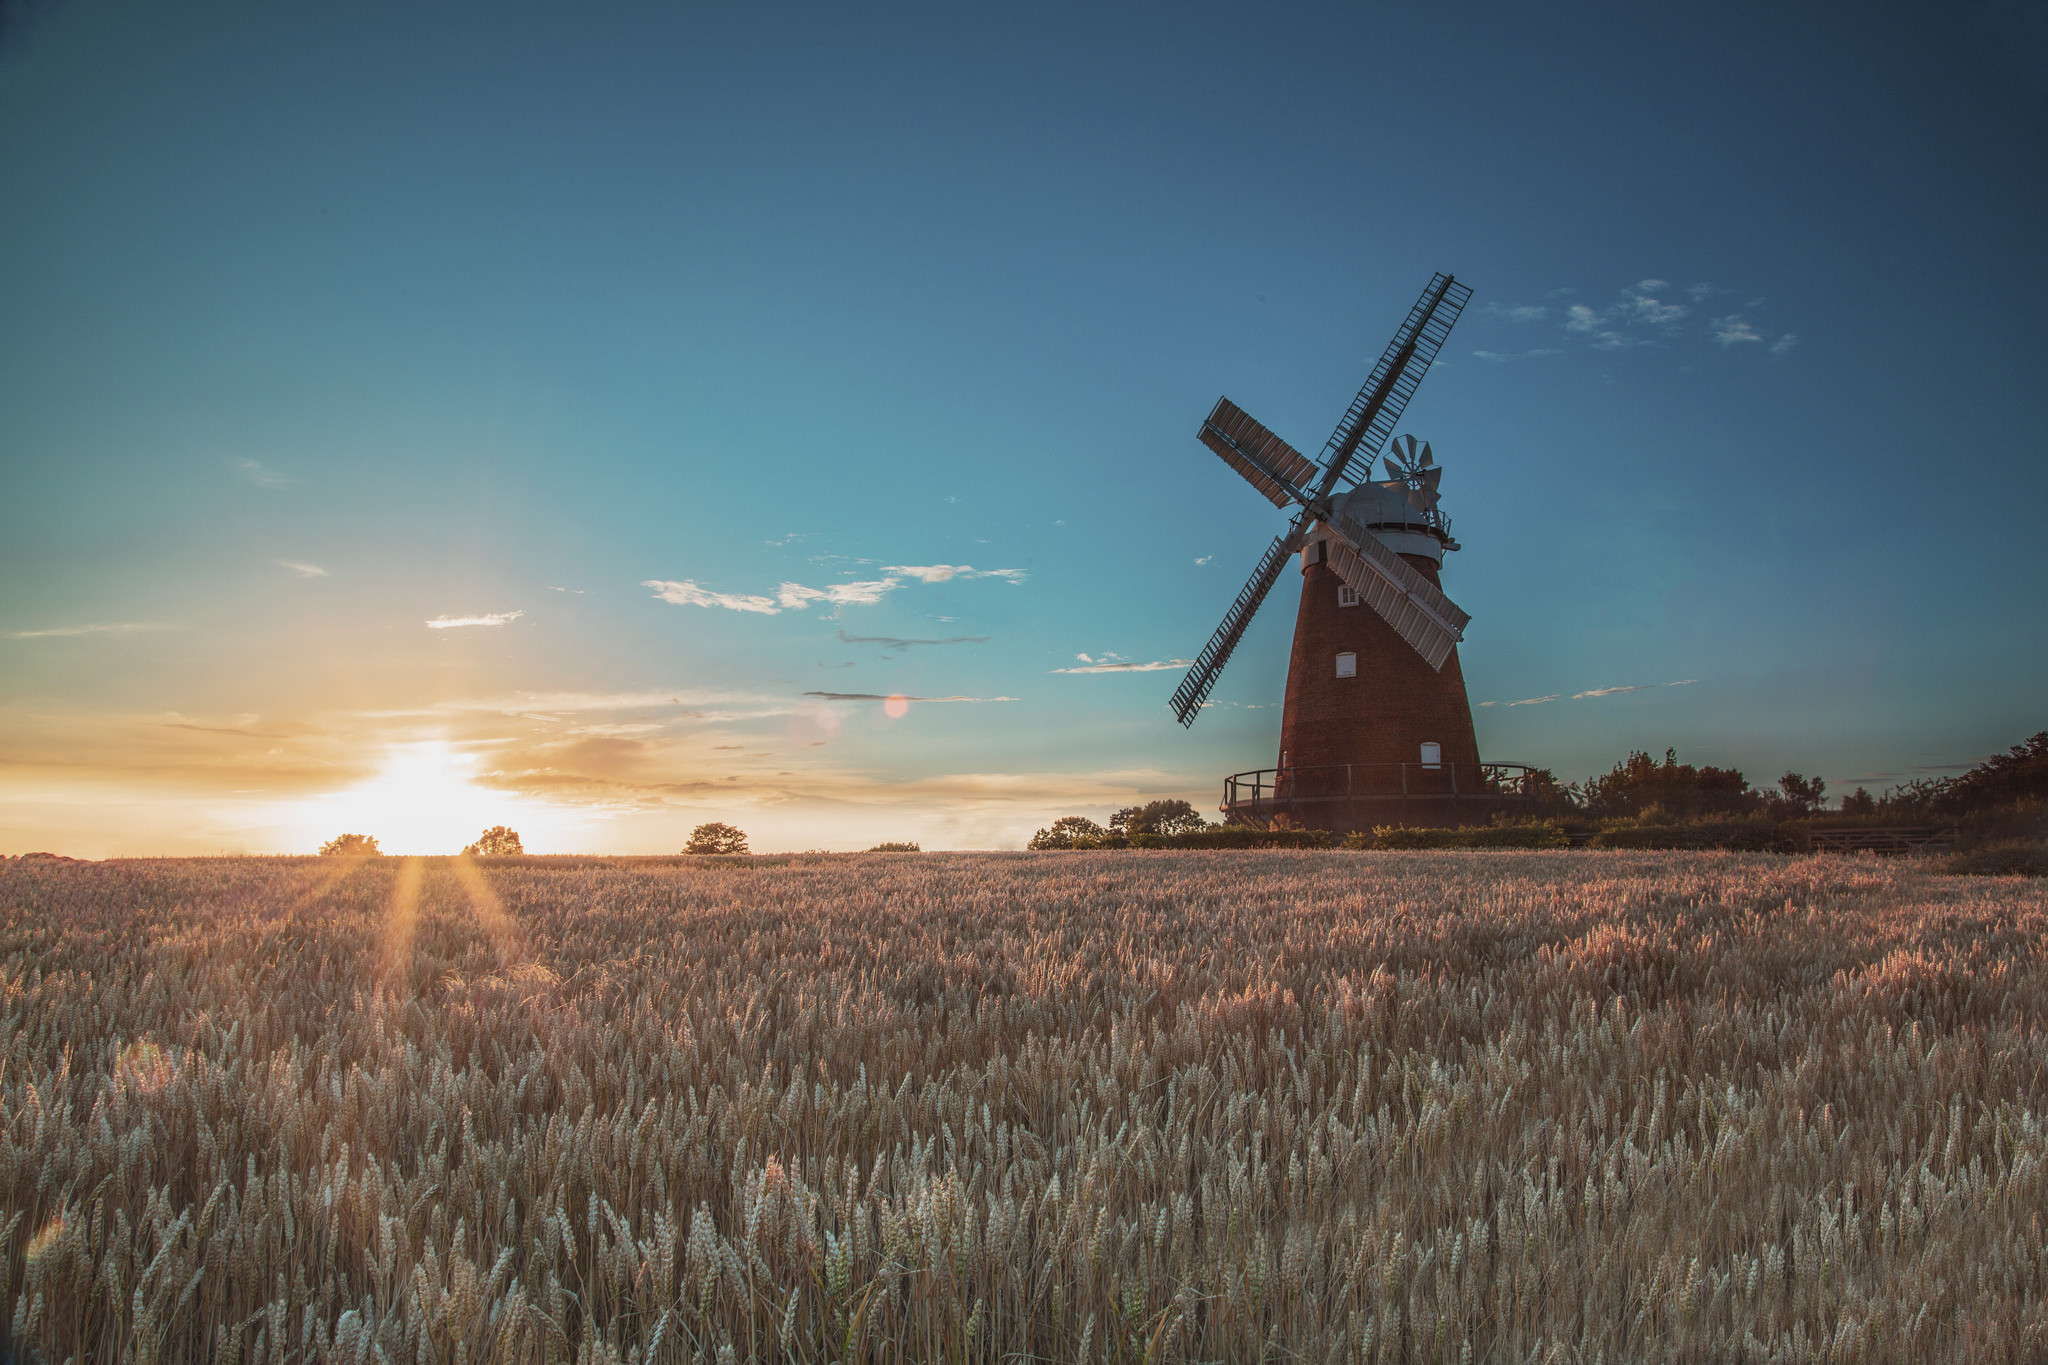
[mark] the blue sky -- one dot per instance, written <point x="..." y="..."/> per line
<point x="325" y="325"/>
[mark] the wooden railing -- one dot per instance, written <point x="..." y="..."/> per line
<point x="1337" y="792"/>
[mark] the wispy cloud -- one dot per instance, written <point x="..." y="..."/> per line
<point x="114" y="628"/>
<point x="688" y="594"/>
<point x="1611" y="691"/>
<point x="1732" y="330"/>
<point x="1205" y="559"/>
<point x="941" y="573"/>
<point x="1784" y="343"/>
<point x="893" y="696"/>
<point x="1112" y="663"/>
<point x="1525" y="312"/>
<point x="496" y="618"/>
<point x="899" y="643"/>
<point x="302" y="568"/>
<point x="262" y="475"/>
<point x="221" y="730"/>
<point x="1643" y="304"/>
<point x="1595" y="692"/>
<point x="568" y="703"/>
<point x="577" y="591"/>
<point x="797" y="596"/>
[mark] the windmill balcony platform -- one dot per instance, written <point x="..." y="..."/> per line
<point x="1342" y="797"/>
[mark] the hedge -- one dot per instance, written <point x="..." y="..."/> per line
<point x="1750" y="836"/>
<point x="1540" y="834"/>
<point x="1216" y="836"/>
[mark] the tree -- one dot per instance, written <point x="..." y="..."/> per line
<point x="1859" y="802"/>
<point x="895" y="848"/>
<point x="495" y="842"/>
<point x="2018" y="774"/>
<point x="1802" y="795"/>
<point x="1065" y="831"/>
<point x="1679" y="789"/>
<point x="350" y="846"/>
<point x="1158" y="817"/>
<point x="717" y="837"/>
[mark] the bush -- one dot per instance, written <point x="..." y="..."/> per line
<point x="1065" y="831"/>
<point x="2019" y="775"/>
<point x="1752" y="836"/>
<point x="499" y="841"/>
<point x="2019" y="822"/>
<point x="1158" y="817"/>
<point x="2017" y="856"/>
<point x="350" y="846"/>
<point x="1074" y="832"/>
<point x="1639" y="781"/>
<point x="1536" y="834"/>
<point x="717" y="837"/>
<point x="895" y="848"/>
<point x="1237" y="836"/>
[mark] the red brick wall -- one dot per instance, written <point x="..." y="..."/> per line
<point x="1385" y="713"/>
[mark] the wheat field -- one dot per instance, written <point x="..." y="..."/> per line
<point x="1219" y="1107"/>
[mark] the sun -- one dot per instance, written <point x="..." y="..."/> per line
<point x="425" y="799"/>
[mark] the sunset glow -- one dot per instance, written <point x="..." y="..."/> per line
<point x="428" y="422"/>
<point x="424" y="799"/>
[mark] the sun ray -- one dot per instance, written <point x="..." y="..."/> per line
<point x="401" y="921"/>
<point x="490" y="914"/>
<point x="325" y="878"/>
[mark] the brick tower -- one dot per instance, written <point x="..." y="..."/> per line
<point x="1359" y="697"/>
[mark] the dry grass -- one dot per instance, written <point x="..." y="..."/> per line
<point x="1218" y="1107"/>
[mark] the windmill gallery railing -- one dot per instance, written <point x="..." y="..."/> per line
<point x="1343" y="796"/>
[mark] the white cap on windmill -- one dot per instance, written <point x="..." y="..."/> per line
<point x="1396" y="514"/>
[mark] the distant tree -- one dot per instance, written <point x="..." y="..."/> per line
<point x="895" y="848"/>
<point x="1065" y="831"/>
<point x="495" y="842"/>
<point x="1158" y="817"/>
<point x="2018" y="774"/>
<point x="1680" y="789"/>
<point x="1801" y="795"/>
<point x="350" y="846"/>
<point x="716" y="837"/>
<point x="1859" y="802"/>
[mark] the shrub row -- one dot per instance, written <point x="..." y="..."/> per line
<point x="1750" y="836"/>
<point x="1537" y="834"/>
<point x="1215" y="836"/>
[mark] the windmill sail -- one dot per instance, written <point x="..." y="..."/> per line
<point x="1269" y="464"/>
<point x="1417" y="610"/>
<point x="1378" y="407"/>
<point x="1194" y="688"/>
<point x="1422" y="615"/>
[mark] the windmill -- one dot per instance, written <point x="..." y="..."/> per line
<point x="1376" y="709"/>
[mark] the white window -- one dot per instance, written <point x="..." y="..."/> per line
<point x="1347" y="596"/>
<point x="1347" y="665"/>
<point x="1432" y="755"/>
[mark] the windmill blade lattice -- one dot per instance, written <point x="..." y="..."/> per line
<point x="1379" y="405"/>
<point x="1427" y="620"/>
<point x="1194" y="688"/>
